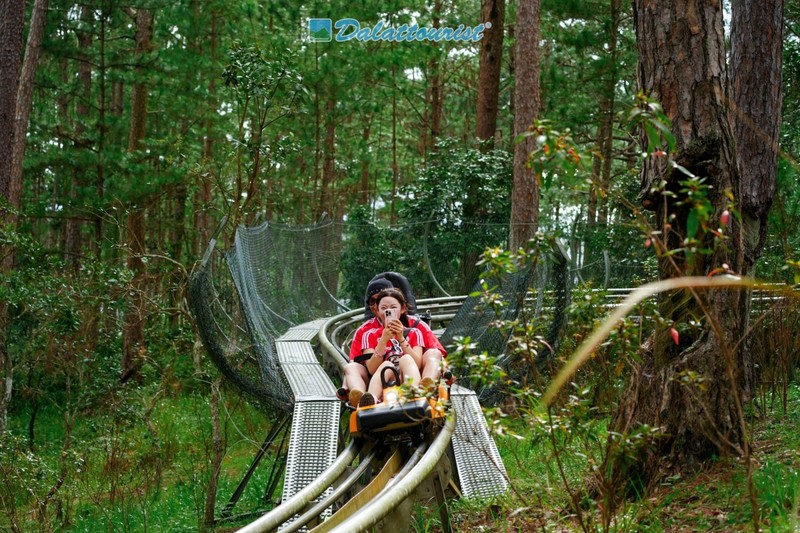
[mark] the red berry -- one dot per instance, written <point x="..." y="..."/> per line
<point x="676" y="337"/>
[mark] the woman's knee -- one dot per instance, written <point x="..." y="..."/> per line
<point x="431" y="356"/>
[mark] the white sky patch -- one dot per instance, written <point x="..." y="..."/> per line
<point x="414" y="74"/>
<point x="415" y="15"/>
<point x="225" y="108"/>
<point x="572" y="23"/>
<point x="173" y="30"/>
<point x="462" y="52"/>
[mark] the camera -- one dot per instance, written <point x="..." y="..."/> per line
<point x="388" y="314"/>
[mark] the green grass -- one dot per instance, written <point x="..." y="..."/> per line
<point x="111" y="481"/>
<point x="112" y="468"/>
<point x="715" y="499"/>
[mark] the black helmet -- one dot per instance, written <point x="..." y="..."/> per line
<point x="388" y="280"/>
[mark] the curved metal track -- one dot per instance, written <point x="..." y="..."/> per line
<point x="380" y="506"/>
<point x="397" y="480"/>
<point x="273" y="519"/>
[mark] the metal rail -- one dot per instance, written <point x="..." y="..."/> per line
<point x="384" y="503"/>
<point x="273" y="519"/>
<point x="331" y="336"/>
<point x="333" y="332"/>
<point x="357" y="502"/>
<point x="320" y="507"/>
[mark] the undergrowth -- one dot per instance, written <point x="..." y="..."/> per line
<point x="714" y="499"/>
<point x="119" y="476"/>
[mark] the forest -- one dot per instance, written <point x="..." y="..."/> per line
<point x="606" y="145"/>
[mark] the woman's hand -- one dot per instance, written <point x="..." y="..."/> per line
<point x="395" y="327"/>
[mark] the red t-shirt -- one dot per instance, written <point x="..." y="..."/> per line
<point x="429" y="339"/>
<point x="356" y="349"/>
<point x="361" y="339"/>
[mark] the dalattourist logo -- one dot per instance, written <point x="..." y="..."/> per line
<point x="349" y="29"/>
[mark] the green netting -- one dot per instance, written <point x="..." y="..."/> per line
<point x="541" y="292"/>
<point x="279" y="276"/>
<point x="275" y="276"/>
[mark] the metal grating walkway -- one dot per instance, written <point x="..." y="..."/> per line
<point x="313" y="444"/>
<point x="480" y="469"/>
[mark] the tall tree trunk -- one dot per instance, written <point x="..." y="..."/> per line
<point x="364" y="189"/>
<point x="205" y="225"/>
<point x="756" y="89"/>
<point x="436" y="85"/>
<point x="101" y="134"/>
<point x="24" y="98"/>
<point x="491" y="55"/>
<point x="329" y="159"/>
<point x="512" y="74"/>
<point x="698" y="421"/>
<point x="317" y="132"/>
<point x="74" y="224"/>
<point x="597" y="210"/>
<point x="12" y="22"/>
<point x="133" y="334"/>
<point x="491" y="59"/>
<point x="607" y="105"/>
<point x="525" y="193"/>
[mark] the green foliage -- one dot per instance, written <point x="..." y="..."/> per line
<point x="434" y="213"/>
<point x="648" y="116"/>
<point x="238" y="106"/>
<point x="555" y="155"/>
<point x="117" y="473"/>
<point x="368" y="251"/>
<point x="454" y="177"/>
<point x="463" y="199"/>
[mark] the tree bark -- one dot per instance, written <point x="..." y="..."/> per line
<point x="682" y="64"/>
<point x="12" y="25"/>
<point x="525" y="193"/>
<point x="491" y="60"/>
<point x="757" y="92"/>
<point x="74" y="224"/>
<point x="133" y="334"/>
<point x="12" y="21"/>
<point x="24" y="98"/>
<point x="756" y="88"/>
<point x="437" y="85"/>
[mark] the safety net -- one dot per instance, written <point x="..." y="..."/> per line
<point x="273" y="276"/>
